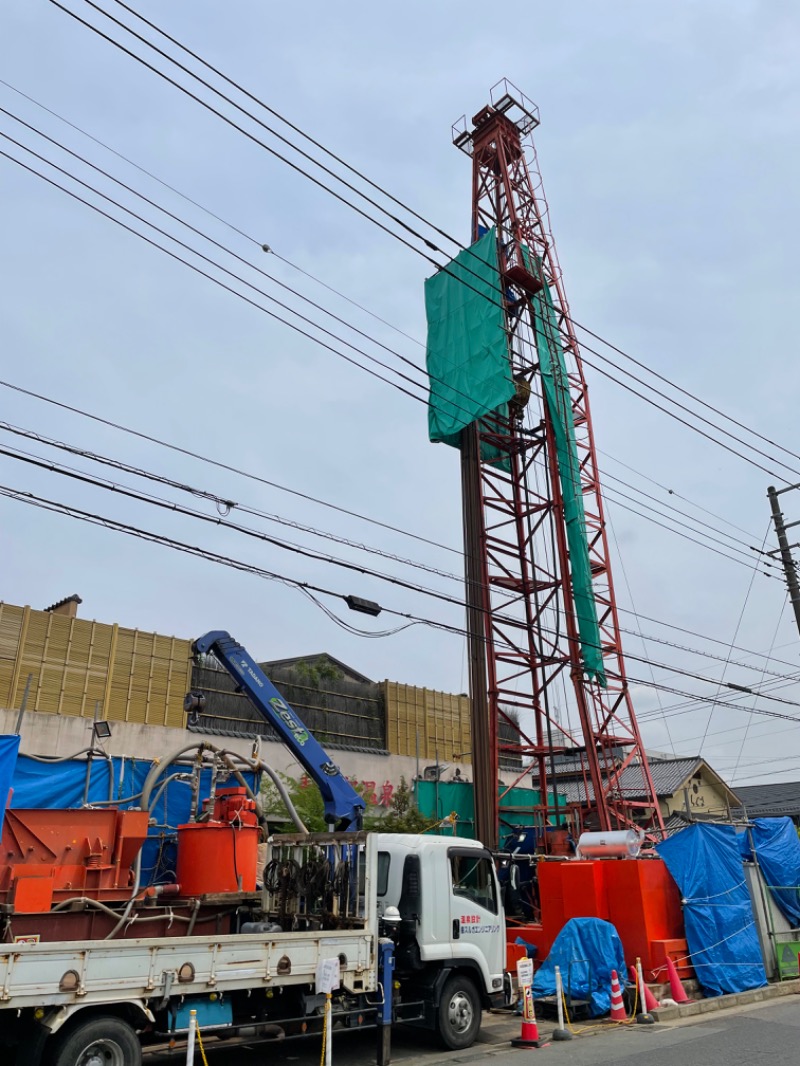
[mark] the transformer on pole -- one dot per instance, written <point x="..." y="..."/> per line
<point x="538" y="711"/>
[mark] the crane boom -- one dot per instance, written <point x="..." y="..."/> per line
<point x="344" y="808"/>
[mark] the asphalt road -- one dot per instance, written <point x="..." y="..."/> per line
<point x="768" y="1033"/>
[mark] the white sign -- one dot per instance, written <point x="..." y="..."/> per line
<point x="327" y="975"/>
<point x="525" y="972"/>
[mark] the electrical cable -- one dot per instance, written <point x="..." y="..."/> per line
<point x="165" y="444"/>
<point x="213" y="263"/>
<point x="147" y="535"/>
<point x="219" y="246"/>
<point x="236" y="277"/>
<point x="330" y="288"/>
<point x="429" y="244"/>
<point x="455" y="241"/>
<point x="168" y="235"/>
<point x="735" y="635"/>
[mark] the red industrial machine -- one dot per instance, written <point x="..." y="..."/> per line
<point x="220" y="853"/>
<point x="527" y="648"/>
<point x="49" y="856"/>
<point x="68" y="874"/>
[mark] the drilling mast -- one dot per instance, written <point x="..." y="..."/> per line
<point x="537" y="710"/>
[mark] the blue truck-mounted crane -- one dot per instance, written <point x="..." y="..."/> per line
<point x="344" y="808"/>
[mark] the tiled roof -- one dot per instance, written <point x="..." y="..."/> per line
<point x="312" y="660"/>
<point x="74" y="598"/>
<point x="770" y="800"/>
<point x="668" y="775"/>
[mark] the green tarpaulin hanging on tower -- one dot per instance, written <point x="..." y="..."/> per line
<point x="469" y="373"/>
<point x="555" y="386"/>
<point x="468" y="366"/>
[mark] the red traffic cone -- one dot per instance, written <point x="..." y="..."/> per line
<point x="529" y="1036"/>
<point x="650" y="1001"/>
<point x="676" y="989"/>
<point x="617" y="1006"/>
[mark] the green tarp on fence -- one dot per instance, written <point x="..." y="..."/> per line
<point x="467" y="356"/>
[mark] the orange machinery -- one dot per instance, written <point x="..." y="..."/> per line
<point x="638" y="897"/>
<point x="51" y="855"/>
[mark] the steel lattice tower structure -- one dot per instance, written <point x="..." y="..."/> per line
<point x="525" y="654"/>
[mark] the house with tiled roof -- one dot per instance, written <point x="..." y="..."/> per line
<point x="688" y="789"/>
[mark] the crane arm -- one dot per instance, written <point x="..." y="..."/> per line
<point x="344" y="808"/>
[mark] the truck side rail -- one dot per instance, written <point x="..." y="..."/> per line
<point x="110" y="971"/>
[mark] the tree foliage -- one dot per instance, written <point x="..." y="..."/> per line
<point x="401" y="817"/>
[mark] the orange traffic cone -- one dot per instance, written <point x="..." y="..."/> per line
<point x="676" y="989"/>
<point x="529" y="1036"/>
<point x="617" y="1006"/>
<point x="650" y="1001"/>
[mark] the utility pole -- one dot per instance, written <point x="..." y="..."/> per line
<point x="785" y="548"/>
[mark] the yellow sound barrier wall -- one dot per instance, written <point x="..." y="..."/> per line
<point x="75" y="664"/>
<point x="429" y="722"/>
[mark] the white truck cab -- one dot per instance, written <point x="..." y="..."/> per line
<point x="451" y="937"/>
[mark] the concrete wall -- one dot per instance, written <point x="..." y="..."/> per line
<point x="61" y="735"/>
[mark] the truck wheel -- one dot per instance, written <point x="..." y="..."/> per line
<point x="459" y="1016"/>
<point x="106" y="1041"/>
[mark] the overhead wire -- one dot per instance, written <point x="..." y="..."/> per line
<point x="410" y="210"/>
<point x="228" y="505"/>
<point x="429" y="244"/>
<point x="192" y="250"/>
<point x="340" y="294"/>
<point x="173" y="238"/>
<point x="219" y="521"/>
<point x="735" y="635"/>
<point x="265" y="273"/>
<point x="147" y="535"/>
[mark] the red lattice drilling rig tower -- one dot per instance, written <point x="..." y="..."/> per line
<point x="539" y="710"/>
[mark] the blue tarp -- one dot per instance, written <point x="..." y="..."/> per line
<point x="586" y="951"/>
<point x="9" y="747"/>
<point x="706" y="864"/>
<point x="60" y="786"/>
<point x="777" y="849"/>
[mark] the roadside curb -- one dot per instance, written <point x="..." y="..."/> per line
<point x="738" y="999"/>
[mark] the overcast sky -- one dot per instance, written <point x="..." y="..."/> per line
<point x="669" y="149"/>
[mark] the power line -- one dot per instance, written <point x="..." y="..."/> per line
<point x="230" y="504"/>
<point x="116" y="526"/>
<point x="330" y="560"/>
<point x="453" y="240"/>
<point x="399" y="237"/>
<point x="237" y="277"/>
<point x="424" y="384"/>
<point x="224" y="505"/>
<point x="171" y="238"/>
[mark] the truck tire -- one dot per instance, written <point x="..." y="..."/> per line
<point x="107" y="1041"/>
<point x="459" y="1015"/>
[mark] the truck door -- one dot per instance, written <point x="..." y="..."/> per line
<point x="477" y="925"/>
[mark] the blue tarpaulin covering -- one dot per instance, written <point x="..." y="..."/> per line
<point x="586" y="951"/>
<point x="777" y="850"/>
<point x="60" y="786"/>
<point x="706" y="864"/>
<point x="9" y="746"/>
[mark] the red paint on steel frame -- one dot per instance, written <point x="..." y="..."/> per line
<point x="533" y="651"/>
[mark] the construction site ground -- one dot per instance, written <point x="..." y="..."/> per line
<point x="707" y="1032"/>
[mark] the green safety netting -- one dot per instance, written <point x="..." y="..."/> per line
<point x="557" y="397"/>
<point x="467" y="358"/>
<point x="470" y="377"/>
